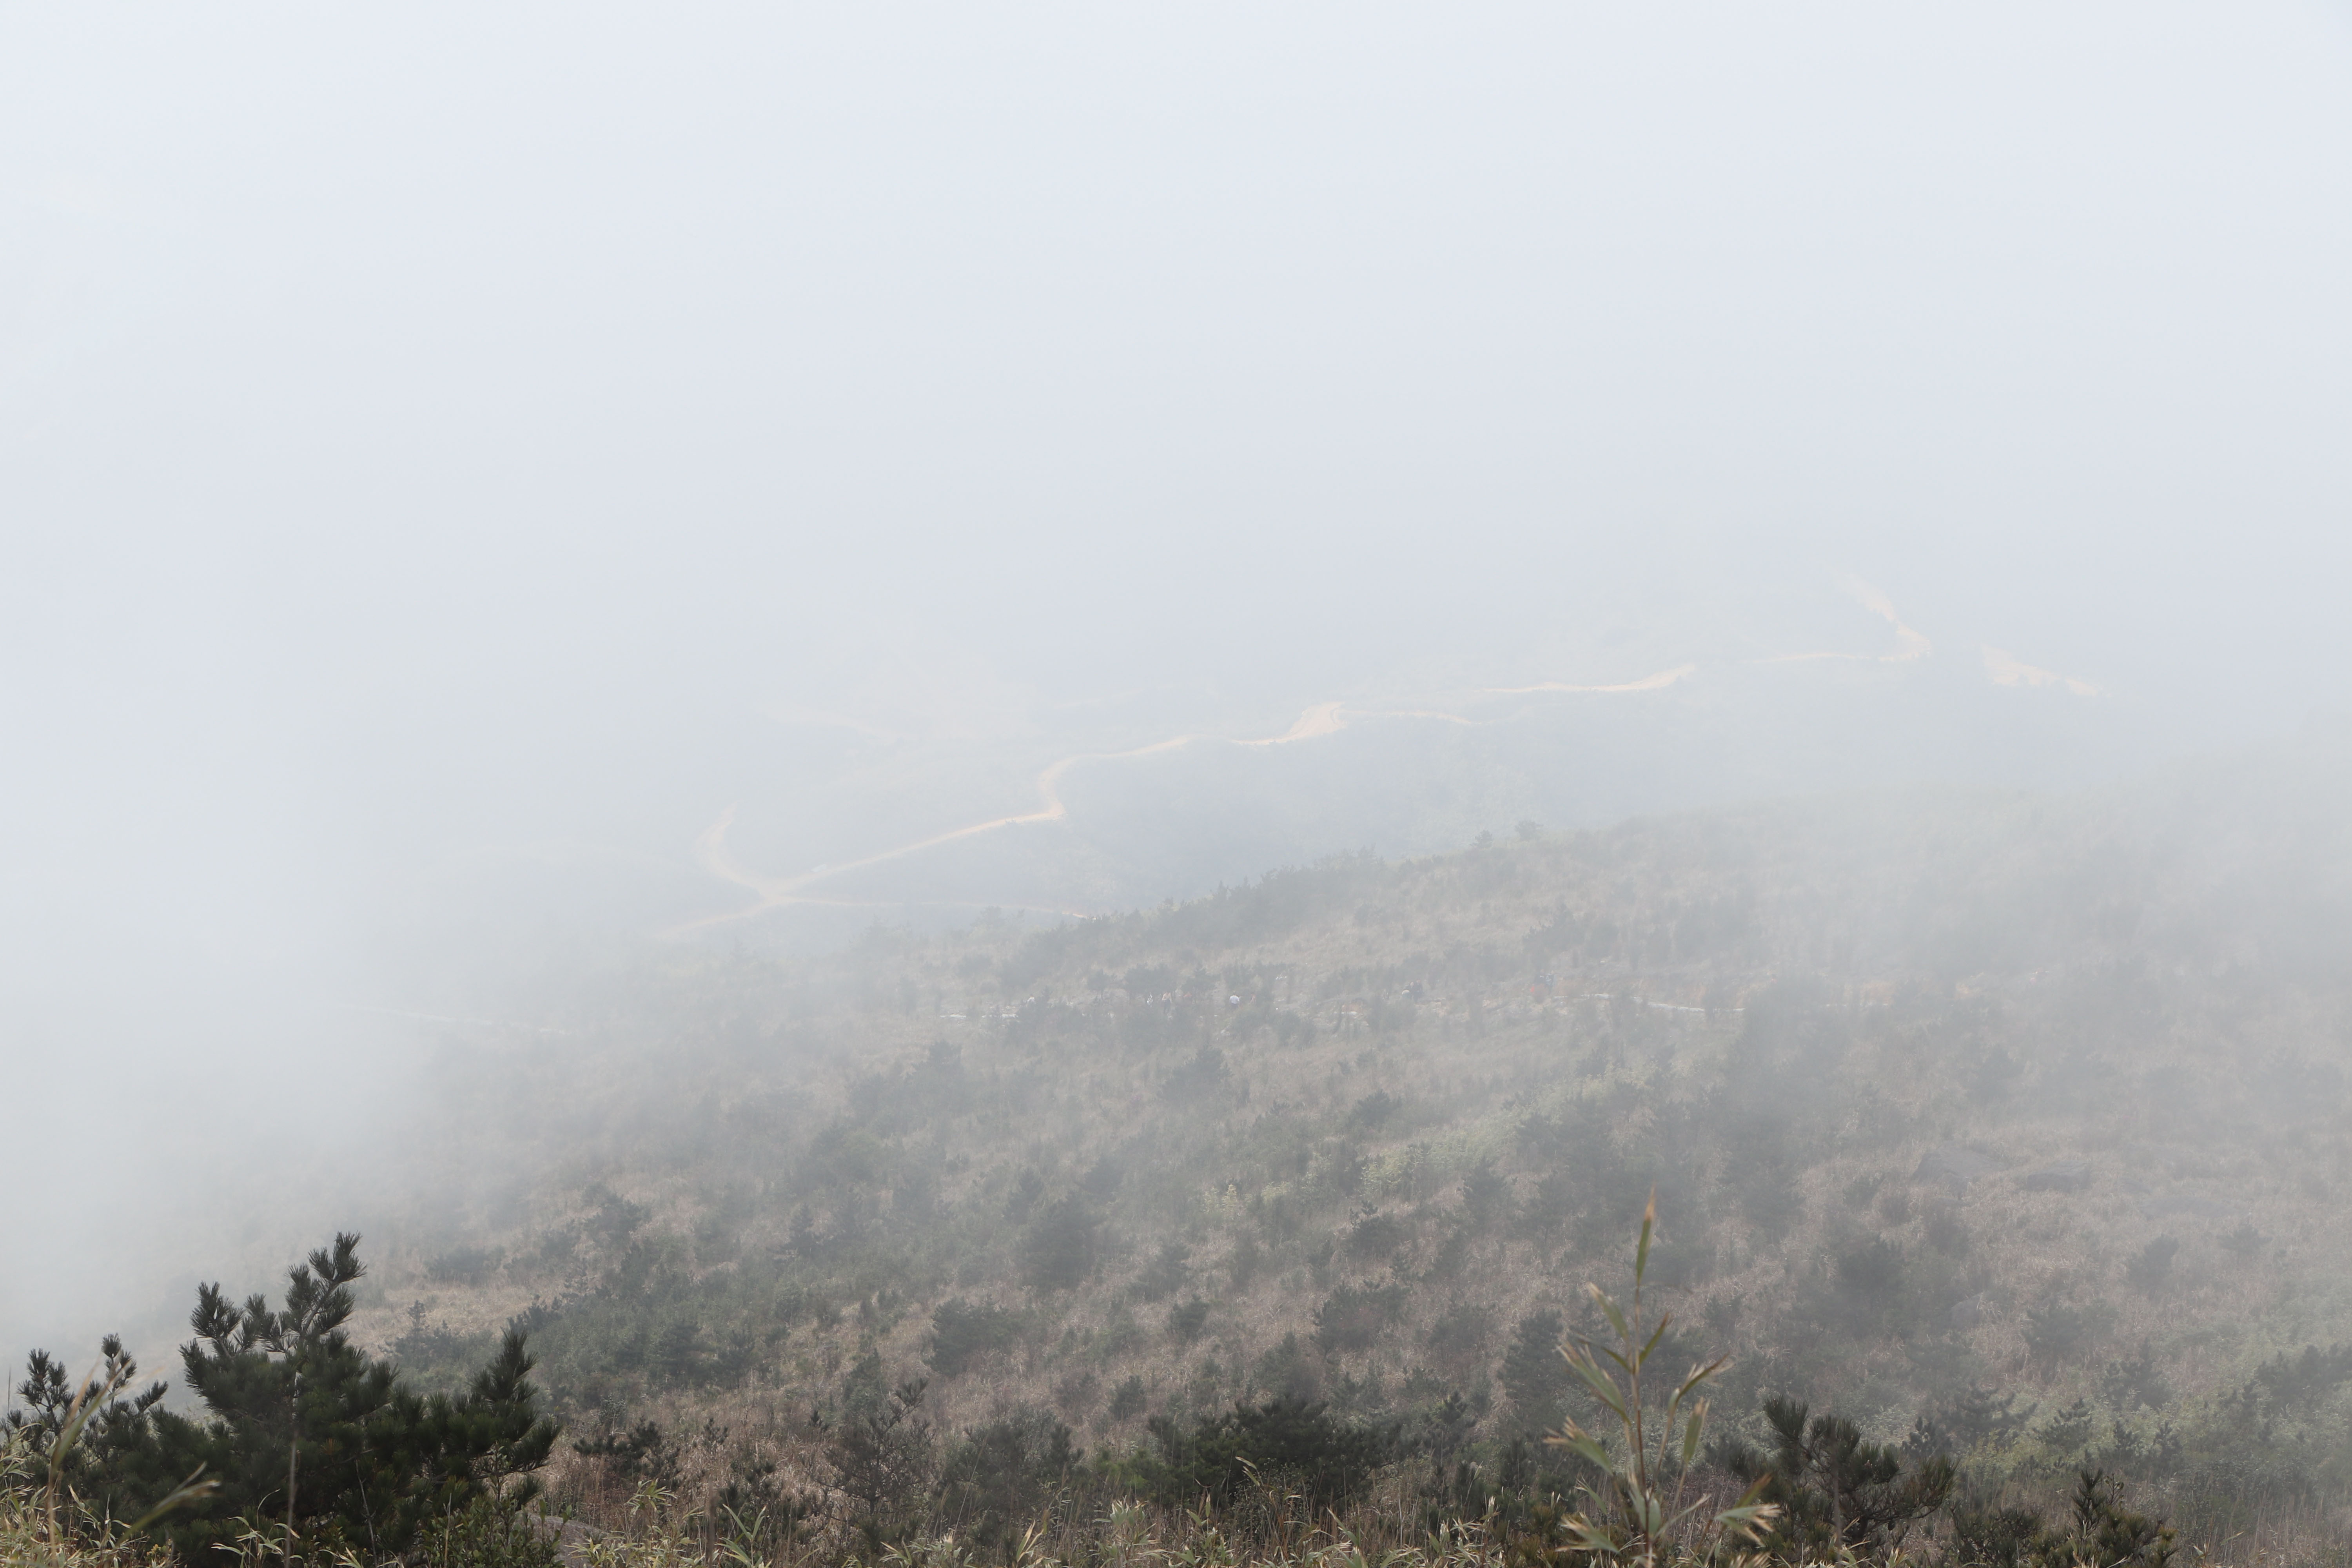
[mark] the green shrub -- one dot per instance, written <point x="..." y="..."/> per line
<point x="2058" y="1333"/>
<point x="1186" y="1320"/>
<point x="1000" y="1476"/>
<point x="961" y="1333"/>
<point x="1289" y="1372"/>
<point x="1458" y="1341"/>
<point x="1058" y="1251"/>
<point x="1353" y="1318"/>
<point x="1832" y="1489"/>
<point x="1164" y="1276"/>
<point x="2152" y="1265"/>
<point x="1292" y="1443"/>
<point x="1374" y="1237"/>
<point x="1534" y="1376"/>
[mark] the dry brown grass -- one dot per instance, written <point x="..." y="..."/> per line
<point x="1865" y="901"/>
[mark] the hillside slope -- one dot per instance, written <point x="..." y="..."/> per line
<point x="1940" y="1094"/>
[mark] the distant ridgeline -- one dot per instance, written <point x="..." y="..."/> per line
<point x="2004" y="1131"/>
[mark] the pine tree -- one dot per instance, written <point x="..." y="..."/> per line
<point x="1533" y="1374"/>
<point x="306" y="1433"/>
<point x="880" y="1445"/>
<point x="50" y="1400"/>
<point x="1835" y="1490"/>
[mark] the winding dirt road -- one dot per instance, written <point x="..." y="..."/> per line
<point x="773" y="892"/>
<point x="1321" y="719"/>
<point x="711" y="853"/>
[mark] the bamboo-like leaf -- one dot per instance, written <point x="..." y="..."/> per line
<point x="1699" y="1374"/>
<point x="1664" y="1318"/>
<point x="1641" y="1247"/>
<point x="1602" y="1388"/>
<point x="1593" y="1371"/>
<point x="187" y="1491"/>
<point x="1616" y="1318"/>
<point x="1748" y="1513"/>
<point x="1692" y="1432"/>
<point x="1589" y="1535"/>
<point x="1577" y="1443"/>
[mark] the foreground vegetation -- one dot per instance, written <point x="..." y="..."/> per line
<point x="1280" y="1483"/>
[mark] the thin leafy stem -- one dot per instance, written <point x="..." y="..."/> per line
<point x="1636" y="1523"/>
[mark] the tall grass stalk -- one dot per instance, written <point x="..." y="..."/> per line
<point x="1641" y="1519"/>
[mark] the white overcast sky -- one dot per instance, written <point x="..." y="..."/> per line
<point x="417" y="419"/>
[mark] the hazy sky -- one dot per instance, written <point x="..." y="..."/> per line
<point x="438" y="428"/>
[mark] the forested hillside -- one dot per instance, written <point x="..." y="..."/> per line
<point x="2006" y="1128"/>
<point x="2002" y="1143"/>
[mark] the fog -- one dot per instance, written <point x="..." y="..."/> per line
<point x="453" y="460"/>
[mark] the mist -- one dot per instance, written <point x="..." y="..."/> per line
<point x="499" y="501"/>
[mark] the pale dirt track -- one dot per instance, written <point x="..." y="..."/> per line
<point x="1321" y="719"/>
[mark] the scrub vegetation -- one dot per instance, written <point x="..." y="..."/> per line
<point x="1985" y="1157"/>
